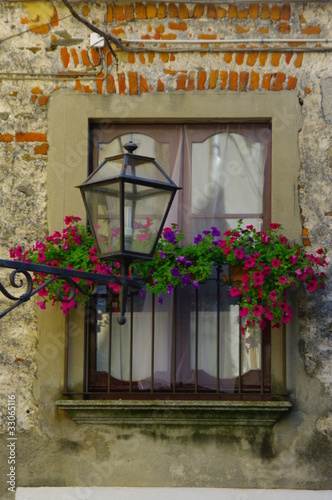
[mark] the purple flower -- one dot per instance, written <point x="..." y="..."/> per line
<point x="206" y="232"/>
<point x="160" y="299"/>
<point x="198" y="239"/>
<point x="186" y="279"/>
<point x="215" y="231"/>
<point x="196" y="283"/>
<point x="162" y="255"/>
<point x="175" y="272"/>
<point x="181" y="260"/>
<point x="169" y="289"/>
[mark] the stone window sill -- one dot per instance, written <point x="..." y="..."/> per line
<point x="207" y="413"/>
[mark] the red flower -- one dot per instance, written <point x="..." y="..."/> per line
<point x="258" y="310"/>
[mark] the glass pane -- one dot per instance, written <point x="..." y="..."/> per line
<point x="227" y="175"/>
<point x="110" y="168"/>
<point x="144" y="212"/>
<point x="104" y="216"/>
<point x="147" y="146"/>
<point x="145" y="170"/>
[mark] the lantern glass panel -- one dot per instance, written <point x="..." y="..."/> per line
<point x="110" y="168"/>
<point x="144" y="210"/>
<point x="145" y="168"/>
<point x="103" y="204"/>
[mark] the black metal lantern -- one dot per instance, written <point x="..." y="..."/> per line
<point x="127" y="200"/>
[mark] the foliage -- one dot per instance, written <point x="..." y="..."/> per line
<point x="270" y="266"/>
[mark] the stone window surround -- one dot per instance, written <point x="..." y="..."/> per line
<point x="68" y="137"/>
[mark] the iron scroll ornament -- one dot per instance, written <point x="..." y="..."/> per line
<point x="98" y="281"/>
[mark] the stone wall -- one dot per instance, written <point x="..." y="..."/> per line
<point x="44" y="50"/>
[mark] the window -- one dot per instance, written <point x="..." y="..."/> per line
<point x="191" y="344"/>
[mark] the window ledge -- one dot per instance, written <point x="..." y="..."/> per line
<point x="207" y="413"/>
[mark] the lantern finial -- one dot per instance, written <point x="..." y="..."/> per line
<point x="130" y="147"/>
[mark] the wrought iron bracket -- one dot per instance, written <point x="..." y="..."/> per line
<point x="24" y="269"/>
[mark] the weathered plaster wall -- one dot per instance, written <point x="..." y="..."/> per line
<point x="44" y="50"/>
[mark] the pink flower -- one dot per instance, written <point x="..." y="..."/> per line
<point x="43" y="292"/>
<point x="226" y="250"/>
<point x="42" y="305"/>
<point x="283" y="280"/>
<point x="239" y="254"/>
<point x="69" y="219"/>
<point x="262" y="324"/>
<point x="266" y="271"/>
<point x="249" y="263"/>
<point x="312" y="285"/>
<point x="244" y="312"/>
<point x="235" y="292"/>
<point x="258" y="310"/>
<point x="273" y="295"/>
<point x="275" y="263"/>
<point x="293" y="259"/>
<point x="268" y="314"/>
<point x="41" y="257"/>
<point x="287" y="317"/>
<point x="283" y="240"/>
<point x="274" y="225"/>
<point x="250" y="227"/>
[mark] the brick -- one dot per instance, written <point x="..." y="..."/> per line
<point x="160" y="86"/>
<point x="254" y="81"/>
<point x="141" y="57"/>
<point x="117" y="31"/>
<point x="109" y="14"/>
<point x="279" y="82"/>
<point x="172" y="57"/>
<point x="42" y="100"/>
<point x="65" y="57"/>
<point x="207" y="36"/>
<point x="108" y="55"/>
<point x="252" y="58"/>
<point x="307" y="90"/>
<point x="228" y="57"/>
<point x="242" y="13"/>
<point x="140" y="11"/>
<point x="34" y="99"/>
<point x="312" y="30"/>
<point x="118" y="12"/>
<point x="232" y="12"/>
<point x="94" y="56"/>
<point x="275" y="13"/>
<point x="284" y="27"/>
<point x="87" y="89"/>
<point x="199" y="10"/>
<point x="168" y="36"/>
<point x="213" y="78"/>
<point x="85" y="10"/>
<point x="151" y="56"/>
<point x="288" y="57"/>
<point x="122" y="83"/>
<point x="41" y="149"/>
<point x="181" y="82"/>
<point x="285" y="12"/>
<point x="6" y="137"/>
<point x="220" y="12"/>
<point x="75" y="57"/>
<point x="191" y="81"/>
<point x="133" y="83"/>
<point x="266" y="81"/>
<point x="30" y="137"/>
<point x="275" y="58"/>
<point x="306" y="242"/>
<point x="54" y="21"/>
<point x="298" y="60"/>
<point x="265" y="11"/>
<point x="151" y="11"/>
<point x="78" y="86"/>
<point x="183" y="11"/>
<point x="162" y="11"/>
<point x="129" y="12"/>
<point x="42" y="29"/>
<point x="240" y="29"/>
<point x="110" y="84"/>
<point x="144" y="87"/>
<point x="253" y="10"/>
<point x="170" y="72"/>
<point x="223" y="79"/>
<point x="264" y="30"/>
<point x="243" y="80"/>
<point x="164" y="57"/>
<point x="100" y="78"/>
<point x="172" y="10"/>
<point x="177" y="26"/>
<point x="233" y="78"/>
<point x="36" y="90"/>
<point x="85" y="59"/>
<point x="291" y="84"/>
<point x="201" y="79"/>
<point x="239" y="58"/>
<point x="211" y="12"/>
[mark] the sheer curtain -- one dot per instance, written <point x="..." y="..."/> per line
<point x="225" y="166"/>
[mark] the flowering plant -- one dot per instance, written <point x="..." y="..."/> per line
<point x="74" y="248"/>
<point x="270" y="266"/>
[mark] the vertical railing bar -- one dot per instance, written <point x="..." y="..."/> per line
<point x="196" y="340"/>
<point x="131" y="344"/>
<point x="284" y="354"/>
<point x="218" y="329"/>
<point x="240" y="356"/>
<point x="110" y="347"/>
<point x="152" y="342"/>
<point x="65" y="375"/>
<point x="86" y="350"/>
<point x="174" y="338"/>
<point x="262" y="361"/>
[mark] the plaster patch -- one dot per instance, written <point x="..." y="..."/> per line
<point x="326" y="87"/>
